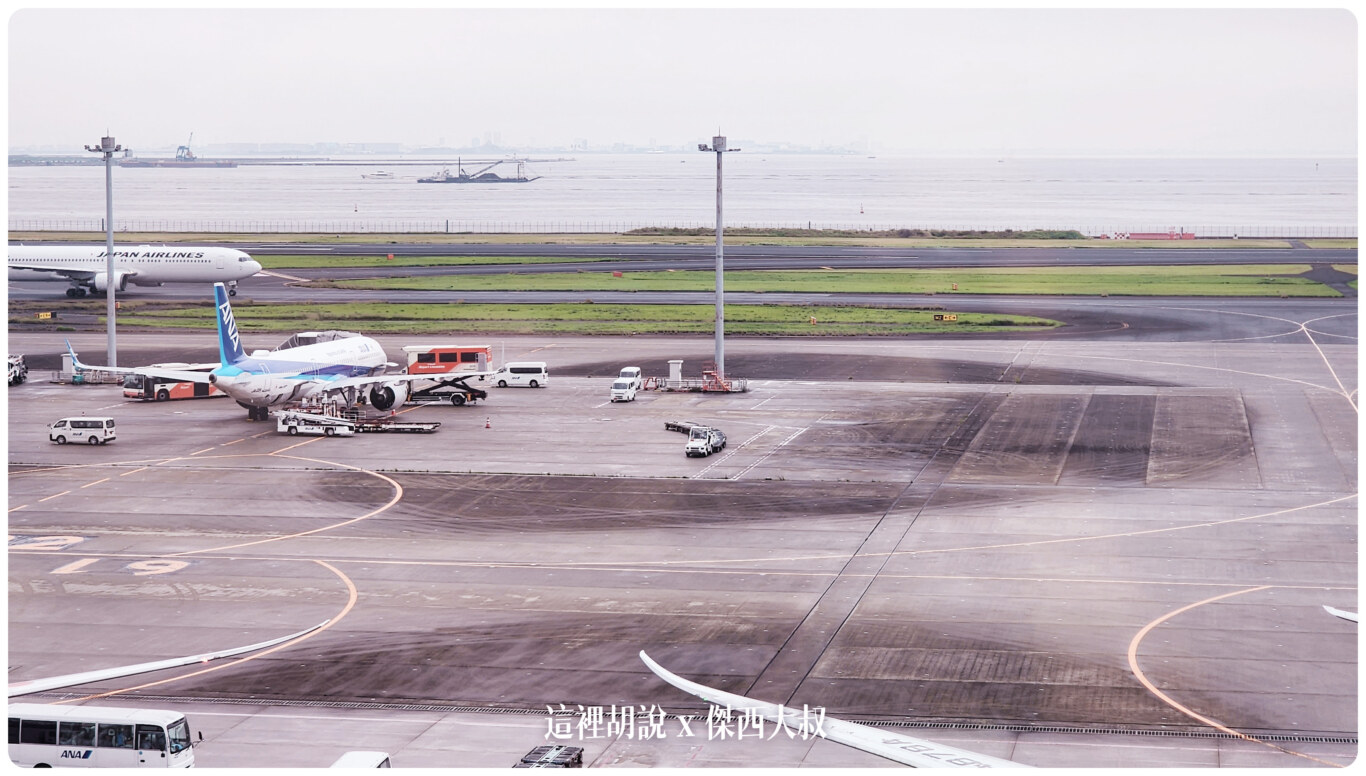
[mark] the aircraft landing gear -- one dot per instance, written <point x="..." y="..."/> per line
<point x="75" y="292"/>
<point x="258" y="413"/>
<point x="232" y="288"/>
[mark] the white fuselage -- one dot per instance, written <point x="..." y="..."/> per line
<point x="142" y="265"/>
<point x="277" y="377"/>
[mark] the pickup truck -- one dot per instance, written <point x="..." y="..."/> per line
<point x="704" y="440"/>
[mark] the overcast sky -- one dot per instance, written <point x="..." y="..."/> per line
<point x="991" y="82"/>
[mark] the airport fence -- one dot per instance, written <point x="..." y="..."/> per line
<point x="451" y="226"/>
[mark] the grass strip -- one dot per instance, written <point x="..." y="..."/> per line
<point x="587" y="318"/>
<point x="315" y="261"/>
<point x="1186" y="280"/>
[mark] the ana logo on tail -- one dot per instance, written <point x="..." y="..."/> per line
<point x="229" y="342"/>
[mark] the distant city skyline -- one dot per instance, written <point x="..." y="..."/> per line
<point x="1056" y="82"/>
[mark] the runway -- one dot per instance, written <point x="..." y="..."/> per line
<point x="1080" y="553"/>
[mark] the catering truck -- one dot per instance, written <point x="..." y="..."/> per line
<point x="451" y="367"/>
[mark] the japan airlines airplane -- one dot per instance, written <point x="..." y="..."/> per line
<point x="85" y="266"/>
<point x="330" y="365"/>
<point x="916" y="752"/>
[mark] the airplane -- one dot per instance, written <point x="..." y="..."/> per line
<point x="1349" y="616"/>
<point x="329" y="365"/>
<point x="85" y="266"/>
<point x="907" y="750"/>
<point x="30" y="686"/>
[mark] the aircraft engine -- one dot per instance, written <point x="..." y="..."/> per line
<point x="383" y="397"/>
<point x="102" y="281"/>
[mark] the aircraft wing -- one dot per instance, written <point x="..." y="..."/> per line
<point x="54" y="682"/>
<point x="347" y="383"/>
<point x="170" y="374"/>
<point x="67" y="272"/>
<point x="916" y="752"/>
<point x="1351" y="616"/>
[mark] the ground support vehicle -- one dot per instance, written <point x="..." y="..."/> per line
<point x="445" y="358"/>
<point x="295" y="423"/>
<point x="18" y="370"/>
<point x="532" y="374"/>
<point x="374" y="425"/>
<point x="93" y="431"/>
<point x="149" y="388"/>
<point x="623" y="390"/>
<point x="631" y="374"/>
<point x="681" y="426"/>
<point x="556" y="756"/>
<point x="452" y="389"/>
<point x="702" y="440"/>
<point x="46" y="736"/>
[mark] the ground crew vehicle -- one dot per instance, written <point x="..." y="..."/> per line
<point x="703" y="441"/>
<point x="93" y="431"/>
<point x="295" y="423"/>
<point x="46" y="736"/>
<point x="632" y="375"/>
<point x="444" y="359"/>
<point x="18" y="370"/>
<point x="529" y="373"/>
<point x="149" y="388"/>
<point x="623" y="390"/>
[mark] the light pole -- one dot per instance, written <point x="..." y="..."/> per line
<point x="718" y="144"/>
<point x="108" y="148"/>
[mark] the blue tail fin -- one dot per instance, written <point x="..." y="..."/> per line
<point x="75" y="362"/>
<point x="229" y="342"/>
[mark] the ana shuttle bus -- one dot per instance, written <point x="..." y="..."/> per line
<point x="43" y="736"/>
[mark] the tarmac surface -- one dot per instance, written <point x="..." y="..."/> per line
<point x="1073" y="553"/>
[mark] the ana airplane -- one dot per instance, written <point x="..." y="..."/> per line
<point x="29" y="686"/>
<point x="85" y="266"/>
<point x="916" y="752"/>
<point x="1349" y="616"/>
<point x="315" y="366"/>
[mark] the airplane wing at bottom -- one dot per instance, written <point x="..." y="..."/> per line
<point x="1351" y="616"/>
<point x="54" y="682"/>
<point x="916" y="752"/>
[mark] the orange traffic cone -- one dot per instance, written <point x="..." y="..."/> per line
<point x="487" y="424"/>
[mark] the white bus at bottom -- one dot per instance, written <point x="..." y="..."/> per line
<point x="43" y="736"/>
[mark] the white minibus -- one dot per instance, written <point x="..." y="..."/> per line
<point x="529" y="373"/>
<point x="94" y="431"/>
<point x="43" y="736"/>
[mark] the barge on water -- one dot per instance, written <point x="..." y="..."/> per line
<point x="481" y="176"/>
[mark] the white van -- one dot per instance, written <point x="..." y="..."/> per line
<point x="529" y="373"/>
<point x="623" y="390"/>
<point x="631" y="374"/>
<point x="94" y="431"/>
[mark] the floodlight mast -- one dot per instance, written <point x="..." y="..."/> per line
<point x="718" y="144"/>
<point x="108" y="147"/>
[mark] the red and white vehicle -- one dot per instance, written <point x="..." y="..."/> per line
<point x="446" y="358"/>
<point x="153" y="388"/>
<point x="450" y="367"/>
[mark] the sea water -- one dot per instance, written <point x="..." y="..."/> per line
<point x="616" y="192"/>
